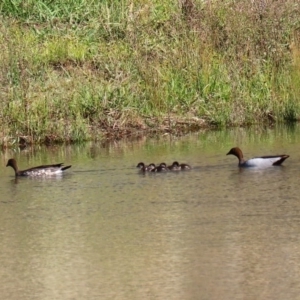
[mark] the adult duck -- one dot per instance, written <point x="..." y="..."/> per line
<point x="45" y="170"/>
<point x="144" y="168"/>
<point x="176" y="166"/>
<point x="260" y="162"/>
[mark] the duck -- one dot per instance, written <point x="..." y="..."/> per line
<point x="260" y="162"/>
<point x="45" y="170"/>
<point x="160" y="168"/>
<point x="176" y="166"/>
<point x="144" y="168"/>
<point x="164" y="166"/>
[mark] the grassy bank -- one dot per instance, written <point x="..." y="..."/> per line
<point x="76" y="70"/>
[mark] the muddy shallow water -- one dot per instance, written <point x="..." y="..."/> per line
<point x="104" y="231"/>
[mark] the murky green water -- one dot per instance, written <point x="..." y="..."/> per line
<point x="103" y="231"/>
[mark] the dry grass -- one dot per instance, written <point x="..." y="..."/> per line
<point x="70" y="73"/>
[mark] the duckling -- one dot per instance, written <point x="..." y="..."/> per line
<point x="161" y="168"/>
<point x="144" y="168"/>
<point x="179" y="167"/>
<point x="164" y="166"/>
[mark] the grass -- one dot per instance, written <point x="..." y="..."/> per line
<point x="72" y="71"/>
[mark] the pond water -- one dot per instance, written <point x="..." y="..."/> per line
<point x="104" y="231"/>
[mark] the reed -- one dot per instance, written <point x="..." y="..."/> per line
<point x="73" y="71"/>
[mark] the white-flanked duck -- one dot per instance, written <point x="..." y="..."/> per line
<point x="260" y="162"/>
<point x="176" y="166"/>
<point x="45" y="170"/>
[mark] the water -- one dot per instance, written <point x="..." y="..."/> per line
<point x="104" y="231"/>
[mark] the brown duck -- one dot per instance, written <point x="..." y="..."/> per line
<point x="45" y="170"/>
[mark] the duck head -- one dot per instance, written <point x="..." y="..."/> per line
<point x="236" y="151"/>
<point x="12" y="163"/>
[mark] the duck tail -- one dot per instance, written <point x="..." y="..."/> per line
<point x="65" y="168"/>
<point x="281" y="160"/>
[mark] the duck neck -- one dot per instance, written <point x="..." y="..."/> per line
<point x="15" y="167"/>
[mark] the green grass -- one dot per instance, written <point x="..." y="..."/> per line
<point x="72" y="71"/>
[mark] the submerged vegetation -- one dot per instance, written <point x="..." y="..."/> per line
<point x="78" y="70"/>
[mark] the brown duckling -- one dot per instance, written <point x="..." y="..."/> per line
<point x="144" y="168"/>
<point x="161" y="168"/>
<point x="179" y="167"/>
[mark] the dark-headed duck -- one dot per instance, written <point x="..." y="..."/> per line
<point x="260" y="162"/>
<point x="45" y="170"/>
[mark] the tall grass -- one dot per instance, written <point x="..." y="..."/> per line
<point x="77" y="70"/>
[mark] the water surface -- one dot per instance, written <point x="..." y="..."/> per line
<point x="104" y="231"/>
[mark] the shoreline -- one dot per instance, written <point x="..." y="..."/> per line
<point x="70" y="74"/>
